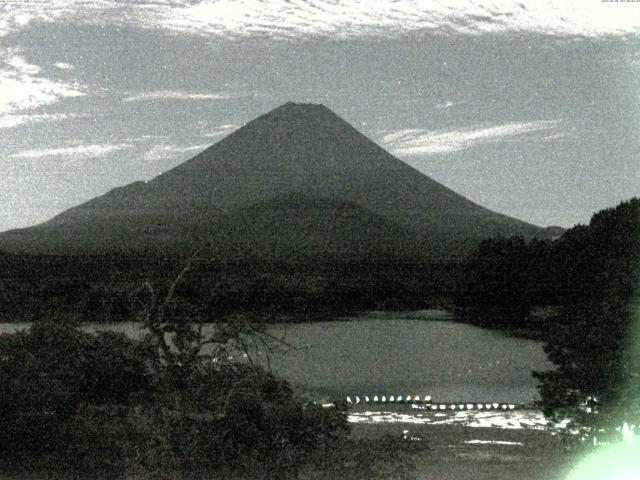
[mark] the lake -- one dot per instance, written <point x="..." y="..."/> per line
<point x="417" y="353"/>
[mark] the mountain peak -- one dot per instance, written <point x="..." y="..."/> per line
<point x="293" y="109"/>
<point x="297" y="148"/>
<point x="302" y="106"/>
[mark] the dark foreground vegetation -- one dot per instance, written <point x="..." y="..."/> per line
<point x="81" y="405"/>
<point x="588" y="283"/>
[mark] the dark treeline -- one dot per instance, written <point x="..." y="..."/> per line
<point x="505" y="278"/>
<point x="587" y="281"/>
<point x="111" y="287"/>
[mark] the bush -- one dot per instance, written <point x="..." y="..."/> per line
<point x="52" y="377"/>
<point x="99" y="404"/>
<point x="240" y="420"/>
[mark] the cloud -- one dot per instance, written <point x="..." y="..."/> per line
<point x="21" y="87"/>
<point x="175" y="95"/>
<point x="10" y="121"/>
<point x="72" y="152"/>
<point x="411" y="142"/>
<point x="16" y="16"/>
<point x="221" y="130"/>
<point x="344" y="18"/>
<point x="22" y="66"/>
<point x="19" y="14"/>
<point x="63" y="66"/>
<point x="352" y="18"/>
<point x="446" y="105"/>
<point x="159" y="152"/>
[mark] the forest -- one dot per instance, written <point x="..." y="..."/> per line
<point x="580" y="295"/>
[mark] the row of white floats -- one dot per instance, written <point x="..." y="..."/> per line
<point x="391" y="398"/>
<point x="425" y="403"/>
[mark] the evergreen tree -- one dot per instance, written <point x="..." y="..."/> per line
<point x="595" y="343"/>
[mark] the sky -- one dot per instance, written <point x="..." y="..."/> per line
<point x="529" y="108"/>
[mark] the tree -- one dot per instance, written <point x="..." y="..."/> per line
<point x="63" y="391"/>
<point x="589" y="345"/>
<point x="494" y="283"/>
<point x="220" y="415"/>
<point x="186" y="401"/>
<point x="595" y="342"/>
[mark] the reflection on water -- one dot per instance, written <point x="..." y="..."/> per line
<point x="516" y="420"/>
<point x="397" y="356"/>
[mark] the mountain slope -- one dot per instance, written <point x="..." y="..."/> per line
<point x="302" y="229"/>
<point x="300" y="148"/>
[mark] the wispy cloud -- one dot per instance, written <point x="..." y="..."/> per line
<point x="63" y="66"/>
<point x="22" y="88"/>
<point x="175" y="95"/>
<point x="159" y="152"/>
<point x="425" y="142"/>
<point x="22" y="66"/>
<point x="356" y="18"/>
<point x="10" y="121"/>
<point x="17" y="15"/>
<point x="221" y="130"/>
<point x="346" y="18"/>
<point x="72" y="152"/>
<point x="447" y="105"/>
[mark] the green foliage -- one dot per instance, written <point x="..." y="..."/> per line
<point x="368" y="459"/>
<point x="594" y="342"/>
<point x="239" y="419"/>
<point x="104" y="406"/>
<point x="591" y="275"/>
<point x="59" y="385"/>
<point x="496" y="282"/>
<point x="220" y="417"/>
<point x="103" y="288"/>
<point x="588" y="346"/>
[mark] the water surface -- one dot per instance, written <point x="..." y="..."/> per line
<point x="398" y="355"/>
